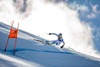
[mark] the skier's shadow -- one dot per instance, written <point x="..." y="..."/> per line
<point x="35" y="50"/>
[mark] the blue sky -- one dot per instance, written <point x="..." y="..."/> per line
<point x="89" y="11"/>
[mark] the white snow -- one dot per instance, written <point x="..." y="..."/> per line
<point x="43" y="16"/>
<point x="17" y="61"/>
<point x="39" y="19"/>
<point x="30" y="53"/>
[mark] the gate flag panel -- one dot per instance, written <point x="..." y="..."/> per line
<point x="12" y="34"/>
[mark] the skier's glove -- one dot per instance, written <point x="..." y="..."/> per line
<point x="62" y="46"/>
<point x="50" y="33"/>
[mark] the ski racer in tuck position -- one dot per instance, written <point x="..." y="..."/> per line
<point x="58" y="41"/>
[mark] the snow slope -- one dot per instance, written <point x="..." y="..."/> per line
<point x="50" y="16"/>
<point x="30" y="53"/>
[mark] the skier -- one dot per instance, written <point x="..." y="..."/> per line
<point x="58" y="41"/>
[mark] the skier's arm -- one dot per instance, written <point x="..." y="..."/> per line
<point x="63" y="44"/>
<point x="53" y="34"/>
